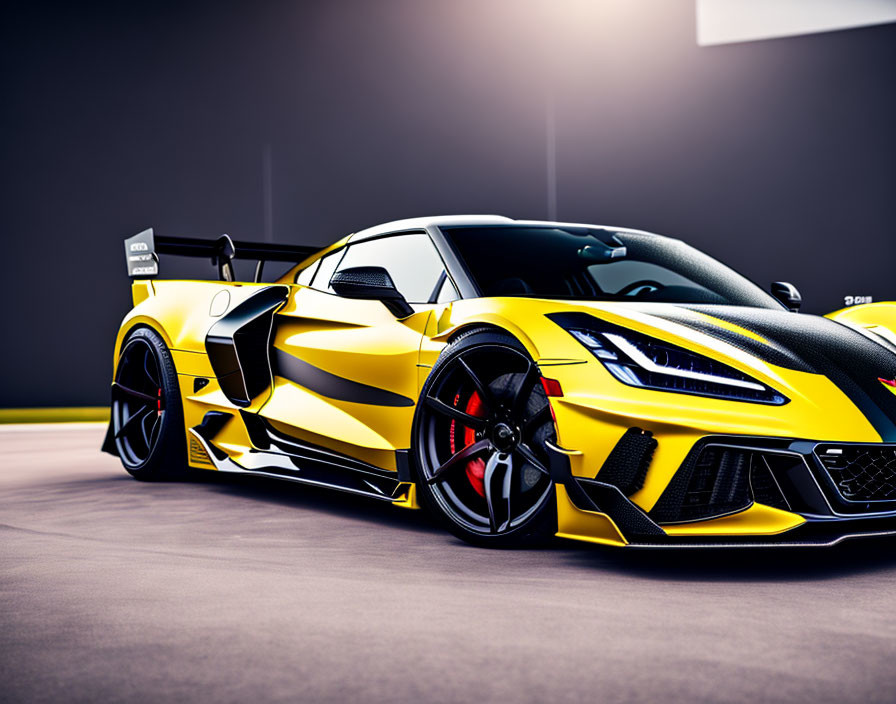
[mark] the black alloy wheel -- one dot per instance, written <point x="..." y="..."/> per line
<point x="147" y="415"/>
<point x="481" y="430"/>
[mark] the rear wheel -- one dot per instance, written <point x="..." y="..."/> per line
<point x="147" y="415"/>
<point x="480" y="433"/>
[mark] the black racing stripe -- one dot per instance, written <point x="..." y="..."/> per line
<point x="333" y="386"/>
<point x="850" y="359"/>
<point x="769" y="351"/>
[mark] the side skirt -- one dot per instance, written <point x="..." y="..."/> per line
<point x="276" y="455"/>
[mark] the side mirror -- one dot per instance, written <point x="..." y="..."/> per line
<point x="371" y="283"/>
<point x="787" y="294"/>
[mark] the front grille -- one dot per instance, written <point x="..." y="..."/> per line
<point x="861" y="472"/>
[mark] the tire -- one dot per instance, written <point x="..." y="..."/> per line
<point x="147" y="415"/>
<point x="479" y="443"/>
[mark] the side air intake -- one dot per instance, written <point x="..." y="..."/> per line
<point x="626" y="466"/>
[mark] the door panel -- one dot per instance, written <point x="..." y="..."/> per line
<point x="345" y="374"/>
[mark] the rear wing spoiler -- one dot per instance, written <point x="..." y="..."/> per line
<point x="142" y="253"/>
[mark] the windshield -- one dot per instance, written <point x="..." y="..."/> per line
<point x="598" y="265"/>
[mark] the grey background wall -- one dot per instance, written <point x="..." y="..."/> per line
<point x="305" y="121"/>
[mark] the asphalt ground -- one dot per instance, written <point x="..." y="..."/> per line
<point x="227" y="589"/>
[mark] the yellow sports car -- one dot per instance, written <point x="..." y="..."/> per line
<point x="518" y="379"/>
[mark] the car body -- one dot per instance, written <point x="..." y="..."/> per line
<point x="635" y="392"/>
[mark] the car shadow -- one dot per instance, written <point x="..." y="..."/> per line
<point x="309" y="497"/>
<point x="766" y="564"/>
<point x="852" y="557"/>
<point x="769" y="564"/>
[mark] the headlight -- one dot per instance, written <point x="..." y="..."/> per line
<point x="640" y="360"/>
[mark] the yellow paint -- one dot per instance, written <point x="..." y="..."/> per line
<point x="588" y="526"/>
<point x="408" y="497"/>
<point x="882" y="313"/>
<point x="756" y="520"/>
<point x="141" y="289"/>
<point x="192" y="363"/>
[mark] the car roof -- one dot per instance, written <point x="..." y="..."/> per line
<point x="421" y="223"/>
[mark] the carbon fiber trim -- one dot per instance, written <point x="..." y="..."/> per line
<point x="769" y="351"/>
<point x="850" y="359"/>
<point x="626" y="466"/>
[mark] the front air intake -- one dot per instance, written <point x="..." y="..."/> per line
<point x="713" y="481"/>
<point x="626" y="466"/>
<point x="719" y="484"/>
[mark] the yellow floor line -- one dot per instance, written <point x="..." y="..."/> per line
<point x="54" y="415"/>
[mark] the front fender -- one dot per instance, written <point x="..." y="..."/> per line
<point x="524" y="319"/>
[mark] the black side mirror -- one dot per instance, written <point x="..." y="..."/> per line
<point x="787" y="294"/>
<point x="371" y="283"/>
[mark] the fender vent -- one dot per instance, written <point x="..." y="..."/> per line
<point x="197" y="454"/>
<point x="626" y="466"/>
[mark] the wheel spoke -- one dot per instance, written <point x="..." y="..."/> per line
<point x="498" y="461"/>
<point x="458" y="459"/>
<point x="116" y="387"/>
<point x="482" y="390"/>
<point x="154" y="433"/>
<point x="530" y="457"/>
<point x="487" y="481"/>
<point x="535" y="421"/>
<point x="146" y="435"/>
<point x="135" y="417"/>
<point x="467" y="419"/>
<point x="506" y="491"/>
<point x="524" y="390"/>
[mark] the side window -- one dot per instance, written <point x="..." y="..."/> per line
<point x="325" y="269"/>
<point x="447" y="292"/>
<point x="411" y="260"/>
<point x="305" y="275"/>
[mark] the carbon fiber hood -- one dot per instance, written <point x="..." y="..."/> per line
<point x="852" y="359"/>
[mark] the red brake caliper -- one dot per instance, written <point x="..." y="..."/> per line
<point x="475" y="468"/>
<point x="159" y="404"/>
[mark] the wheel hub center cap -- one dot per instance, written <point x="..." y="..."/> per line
<point x="503" y="437"/>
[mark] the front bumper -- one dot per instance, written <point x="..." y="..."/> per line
<point x="738" y="491"/>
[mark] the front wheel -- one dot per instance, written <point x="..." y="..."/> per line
<point x="479" y="442"/>
<point x="147" y="414"/>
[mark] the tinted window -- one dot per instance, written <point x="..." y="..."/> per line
<point x="411" y="260"/>
<point x="598" y="264"/>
